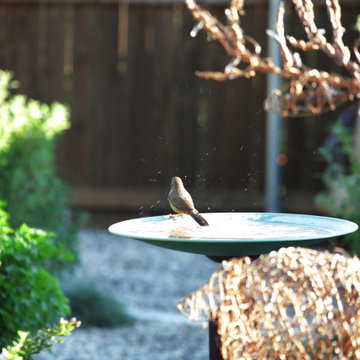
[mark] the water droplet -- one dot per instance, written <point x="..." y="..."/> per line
<point x="195" y="30"/>
<point x="233" y="63"/>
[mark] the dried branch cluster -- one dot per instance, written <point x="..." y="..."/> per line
<point x="295" y="303"/>
<point x="309" y="91"/>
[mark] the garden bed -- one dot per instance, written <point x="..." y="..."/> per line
<point x="149" y="281"/>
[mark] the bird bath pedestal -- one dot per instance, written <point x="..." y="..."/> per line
<point x="232" y="235"/>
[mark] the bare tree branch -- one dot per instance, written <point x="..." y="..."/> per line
<point x="308" y="90"/>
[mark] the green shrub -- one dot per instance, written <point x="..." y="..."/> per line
<point x="93" y="307"/>
<point x="342" y="180"/>
<point x="28" y="181"/>
<point x="30" y="298"/>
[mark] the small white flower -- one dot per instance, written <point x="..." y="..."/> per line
<point x="4" y="354"/>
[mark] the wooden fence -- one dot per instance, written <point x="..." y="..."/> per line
<point x="139" y="113"/>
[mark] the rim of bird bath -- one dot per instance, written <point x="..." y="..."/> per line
<point x="233" y="234"/>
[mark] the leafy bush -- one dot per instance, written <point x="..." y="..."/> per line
<point x="28" y="345"/>
<point x="28" y="181"/>
<point x="342" y="181"/>
<point x="30" y="298"/>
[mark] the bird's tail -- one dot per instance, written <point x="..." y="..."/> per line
<point x="198" y="218"/>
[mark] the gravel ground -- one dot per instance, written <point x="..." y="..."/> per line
<point x="149" y="281"/>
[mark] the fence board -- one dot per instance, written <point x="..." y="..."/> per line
<point x="145" y="201"/>
<point x="139" y="113"/>
<point x="152" y="2"/>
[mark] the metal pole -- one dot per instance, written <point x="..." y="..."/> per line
<point x="273" y="122"/>
<point x="214" y="341"/>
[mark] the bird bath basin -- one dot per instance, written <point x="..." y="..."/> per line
<point x="233" y="234"/>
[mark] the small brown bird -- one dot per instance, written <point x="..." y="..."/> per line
<point x="181" y="202"/>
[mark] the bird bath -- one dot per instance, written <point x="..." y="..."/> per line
<point x="232" y="235"/>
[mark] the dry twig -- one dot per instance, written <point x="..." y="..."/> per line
<point x="309" y="91"/>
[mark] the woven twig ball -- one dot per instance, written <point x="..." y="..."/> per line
<point x="294" y="303"/>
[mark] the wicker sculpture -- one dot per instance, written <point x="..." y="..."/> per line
<point x="295" y="303"/>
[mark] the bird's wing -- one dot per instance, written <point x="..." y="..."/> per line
<point x="181" y="204"/>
